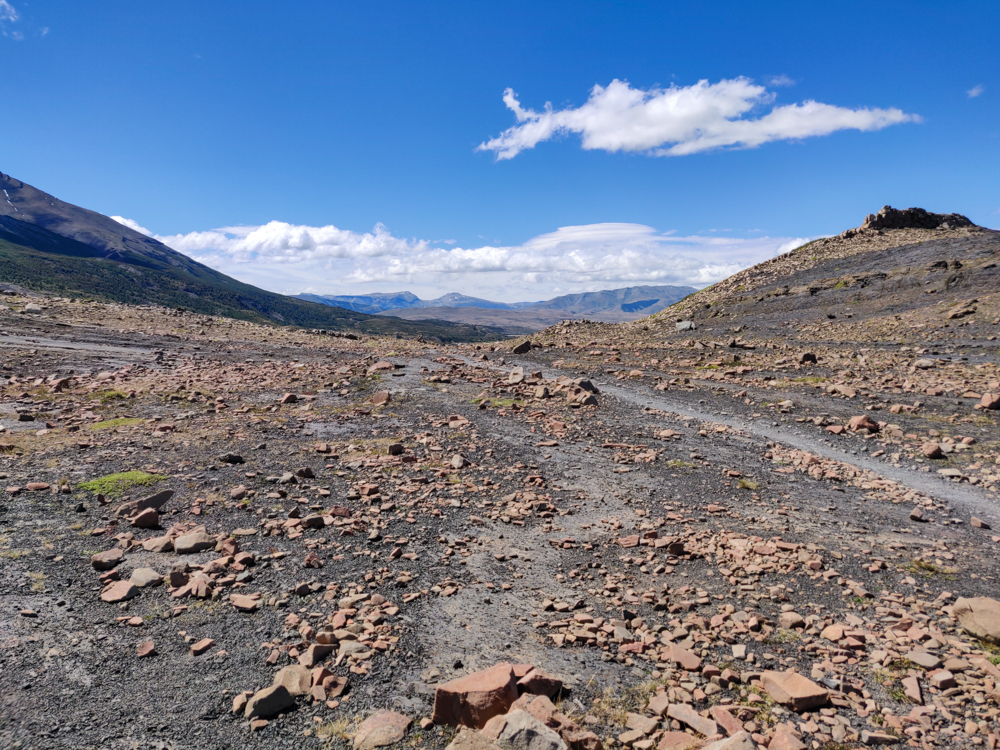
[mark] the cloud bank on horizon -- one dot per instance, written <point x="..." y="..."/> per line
<point x="682" y="120"/>
<point x="291" y="258"/>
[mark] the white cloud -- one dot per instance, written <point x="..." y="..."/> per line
<point x="975" y="91"/>
<point x="781" y="80"/>
<point x="291" y="258"/>
<point x="681" y="120"/>
<point x="132" y="225"/>
<point x="7" y="12"/>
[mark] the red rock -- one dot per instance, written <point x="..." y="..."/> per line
<point x="629" y="541"/>
<point x="582" y="740"/>
<point x="979" y="616"/>
<point x="121" y="591"/>
<point x="833" y="633"/>
<point x="108" y="559"/>
<point x="863" y="422"/>
<point x="538" y="682"/>
<point x="726" y="720"/>
<point x="147" y="519"/>
<point x="836" y="429"/>
<point x="538" y="706"/>
<point x="288" y="398"/>
<point x="658" y="704"/>
<point x="911" y="685"/>
<point x="942" y="679"/>
<point x="197" y="649"/>
<point x="990" y="401"/>
<point x="794" y="690"/>
<point x="677" y="741"/>
<point x="520" y="670"/>
<point x="476" y="698"/>
<point x="978" y="523"/>
<point x="381" y="729"/>
<point x="36" y="486"/>
<point x="684" y="658"/>
<point x="687" y="715"/>
<point x="315" y="654"/>
<point x="932" y="450"/>
<point x="382" y="397"/>
<point x="146" y="649"/>
<point x="785" y="740"/>
<point x="244" y="603"/>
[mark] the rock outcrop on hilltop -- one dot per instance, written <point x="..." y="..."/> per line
<point x="913" y="218"/>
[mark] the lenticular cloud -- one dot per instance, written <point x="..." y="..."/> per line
<point x="681" y="120"/>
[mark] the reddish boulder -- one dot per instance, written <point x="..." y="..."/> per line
<point x="793" y="690"/>
<point x="476" y="698"/>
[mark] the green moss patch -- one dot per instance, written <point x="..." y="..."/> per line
<point x="108" y="424"/>
<point x="115" y="485"/>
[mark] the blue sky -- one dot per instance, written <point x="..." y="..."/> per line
<point x="336" y="143"/>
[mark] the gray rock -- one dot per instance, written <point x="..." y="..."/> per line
<point x="522" y="731"/>
<point x="685" y="325"/>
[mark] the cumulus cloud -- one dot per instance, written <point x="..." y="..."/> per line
<point x="681" y="120"/>
<point x="292" y="258"/>
<point x="132" y="225"/>
<point x="975" y="91"/>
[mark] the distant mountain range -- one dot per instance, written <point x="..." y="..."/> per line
<point x="610" y="306"/>
<point x="382" y="302"/>
<point x="52" y="246"/>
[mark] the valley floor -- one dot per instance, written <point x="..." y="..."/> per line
<point x="695" y="525"/>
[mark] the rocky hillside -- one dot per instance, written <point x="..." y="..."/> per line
<point x="897" y="263"/>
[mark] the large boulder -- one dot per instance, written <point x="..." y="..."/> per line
<point x="476" y="698"/>
<point x="980" y="616"/>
